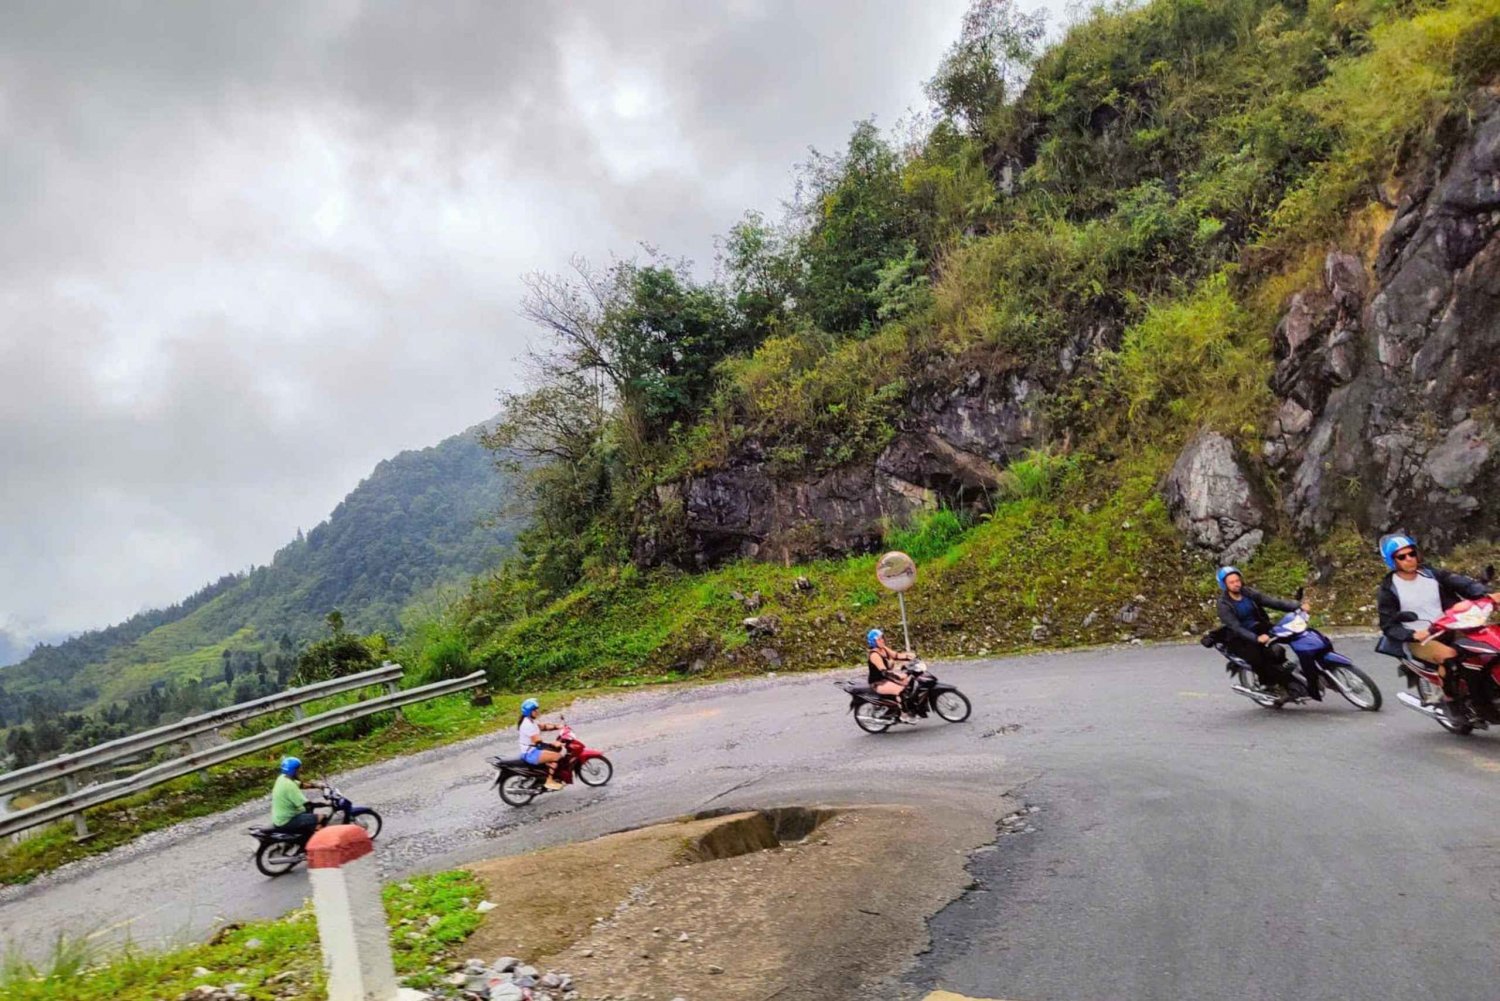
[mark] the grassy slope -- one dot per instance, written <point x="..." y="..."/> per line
<point x="1196" y="353"/>
<point x="1071" y="562"/>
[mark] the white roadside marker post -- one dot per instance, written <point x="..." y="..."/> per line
<point x="351" y="918"/>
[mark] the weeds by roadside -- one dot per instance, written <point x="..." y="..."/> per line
<point x="265" y="959"/>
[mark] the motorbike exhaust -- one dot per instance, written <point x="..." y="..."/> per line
<point x="1410" y="701"/>
<point x="1260" y="697"/>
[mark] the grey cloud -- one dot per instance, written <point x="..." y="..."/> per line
<point x="252" y="248"/>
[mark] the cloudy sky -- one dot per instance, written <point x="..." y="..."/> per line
<point x="250" y="249"/>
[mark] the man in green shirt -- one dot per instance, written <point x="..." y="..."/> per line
<point x="289" y="808"/>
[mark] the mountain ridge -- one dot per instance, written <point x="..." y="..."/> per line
<point x="420" y="521"/>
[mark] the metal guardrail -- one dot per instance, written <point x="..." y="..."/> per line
<point x="126" y="747"/>
<point x="73" y="802"/>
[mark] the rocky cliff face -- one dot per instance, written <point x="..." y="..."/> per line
<point x="1388" y="379"/>
<point x="951" y="448"/>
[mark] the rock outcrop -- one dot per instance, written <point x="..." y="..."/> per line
<point x="1211" y="500"/>
<point x="950" y="448"/>
<point x="1388" y="380"/>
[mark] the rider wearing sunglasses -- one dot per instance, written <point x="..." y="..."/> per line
<point x="1412" y="586"/>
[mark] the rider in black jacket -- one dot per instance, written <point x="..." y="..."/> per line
<point x="1412" y="586"/>
<point x="1247" y="627"/>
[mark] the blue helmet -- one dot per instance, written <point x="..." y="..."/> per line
<point x="872" y="637"/>
<point x="530" y="706"/>
<point x="1393" y="544"/>
<point x="290" y="765"/>
<point x="1224" y="573"/>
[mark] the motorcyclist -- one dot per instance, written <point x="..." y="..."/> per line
<point x="1247" y="630"/>
<point x="534" y="750"/>
<point x="1412" y="586"/>
<point x="885" y="677"/>
<point x="290" y="811"/>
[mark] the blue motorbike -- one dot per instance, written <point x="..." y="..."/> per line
<point x="1322" y="667"/>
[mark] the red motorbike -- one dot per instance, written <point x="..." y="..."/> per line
<point x="1465" y="627"/>
<point x="520" y="783"/>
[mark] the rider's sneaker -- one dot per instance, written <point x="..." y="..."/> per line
<point x="908" y="718"/>
<point x="553" y="785"/>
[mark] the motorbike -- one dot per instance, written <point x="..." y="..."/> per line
<point x="280" y="852"/>
<point x="1468" y="630"/>
<point x="876" y="713"/>
<point x="520" y="783"/>
<point x="1321" y="666"/>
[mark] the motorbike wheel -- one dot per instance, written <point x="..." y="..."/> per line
<point x="369" y="820"/>
<point x="518" y="790"/>
<point x="873" y="718"/>
<point x="596" y="772"/>
<point x="276" y="858"/>
<point x="952" y="706"/>
<point x="1356" y="686"/>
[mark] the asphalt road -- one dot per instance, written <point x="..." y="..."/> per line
<point x="1188" y="844"/>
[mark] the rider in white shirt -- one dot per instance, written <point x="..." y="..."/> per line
<point x="529" y="742"/>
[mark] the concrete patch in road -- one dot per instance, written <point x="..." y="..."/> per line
<point x="804" y="903"/>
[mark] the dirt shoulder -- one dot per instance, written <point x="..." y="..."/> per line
<point x="821" y="903"/>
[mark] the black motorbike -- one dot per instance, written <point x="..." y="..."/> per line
<point x="876" y="713"/>
<point x="280" y="852"/>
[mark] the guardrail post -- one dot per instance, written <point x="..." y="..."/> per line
<point x="391" y="688"/>
<point x="351" y="918"/>
<point x="81" y="830"/>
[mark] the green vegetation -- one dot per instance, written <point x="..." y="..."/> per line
<point x="421" y="523"/>
<point x="271" y="959"/>
<point x="1119" y="218"/>
<point x="1145" y="193"/>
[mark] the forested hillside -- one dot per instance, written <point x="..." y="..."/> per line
<point x="421" y="521"/>
<point x="1203" y="280"/>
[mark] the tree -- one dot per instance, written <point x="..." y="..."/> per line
<point x="338" y="655"/>
<point x="20" y="744"/>
<point x="987" y="65"/>
<point x="644" y="336"/>
<point x="669" y="332"/>
<point x="228" y="667"/>
<point x="857" y="218"/>
<point x="759" y="266"/>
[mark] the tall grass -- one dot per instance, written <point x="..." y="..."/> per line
<point x="930" y="534"/>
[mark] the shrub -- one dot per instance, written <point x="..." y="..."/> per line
<point x="930" y="534"/>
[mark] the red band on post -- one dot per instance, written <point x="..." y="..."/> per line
<point x="335" y="846"/>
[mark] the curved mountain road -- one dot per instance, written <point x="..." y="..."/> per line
<point x="1188" y="844"/>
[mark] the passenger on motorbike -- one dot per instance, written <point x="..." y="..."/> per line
<point x="885" y="677"/>
<point x="290" y="810"/>
<point x="1412" y="586"/>
<point x="533" y="749"/>
<point x="1247" y="629"/>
